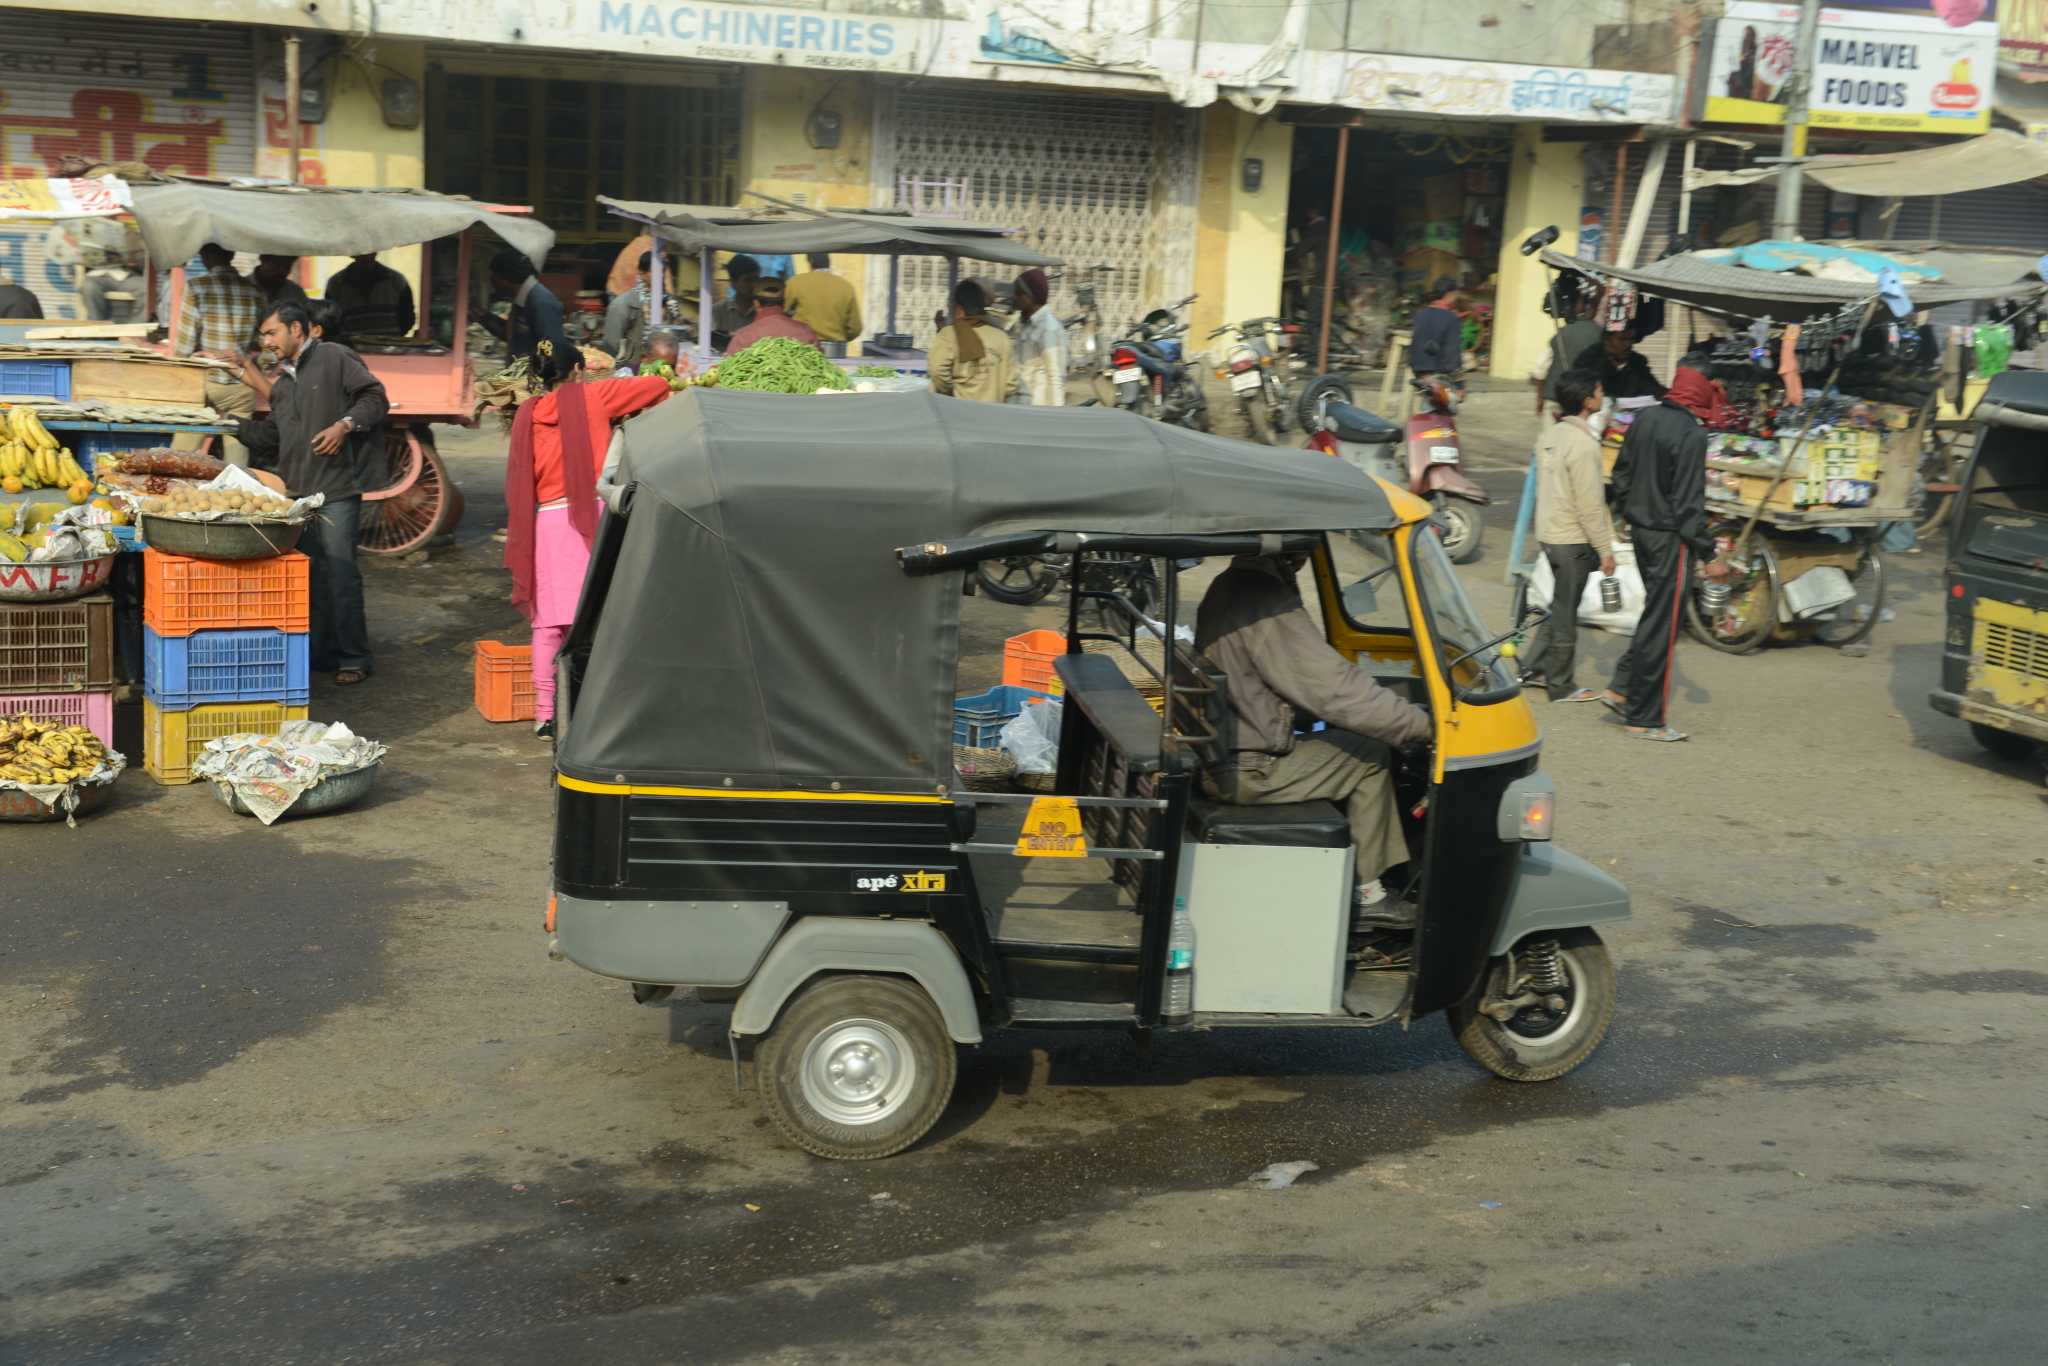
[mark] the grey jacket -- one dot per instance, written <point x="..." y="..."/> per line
<point x="329" y="382"/>
<point x="1252" y="625"/>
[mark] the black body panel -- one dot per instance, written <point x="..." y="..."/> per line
<point x="1468" y="879"/>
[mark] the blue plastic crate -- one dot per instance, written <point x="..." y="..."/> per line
<point x="36" y="379"/>
<point x="87" y="447"/>
<point x="179" y="672"/>
<point x="979" y="720"/>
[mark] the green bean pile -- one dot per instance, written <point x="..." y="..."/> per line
<point x="873" y="372"/>
<point x="781" y="365"/>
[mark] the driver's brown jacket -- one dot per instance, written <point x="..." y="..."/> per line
<point x="1252" y="625"/>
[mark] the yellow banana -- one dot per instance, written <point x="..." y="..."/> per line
<point x="38" y="434"/>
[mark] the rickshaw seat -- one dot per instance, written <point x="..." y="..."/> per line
<point x="1280" y="825"/>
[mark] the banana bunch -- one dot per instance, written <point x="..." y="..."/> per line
<point x="33" y="751"/>
<point x="31" y="457"/>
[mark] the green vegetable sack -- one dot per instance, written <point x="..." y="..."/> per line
<point x="781" y="365"/>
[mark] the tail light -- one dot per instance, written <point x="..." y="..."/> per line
<point x="1324" y="442"/>
<point x="1123" y="356"/>
<point x="1242" y="364"/>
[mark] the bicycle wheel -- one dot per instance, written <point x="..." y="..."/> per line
<point x="1743" y="623"/>
<point x="1857" y="617"/>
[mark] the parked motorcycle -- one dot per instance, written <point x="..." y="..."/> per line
<point x="1148" y="375"/>
<point x="1257" y="358"/>
<point x="1425" y="457"/>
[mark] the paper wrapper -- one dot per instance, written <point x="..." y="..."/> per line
<point x="270" y="772"/>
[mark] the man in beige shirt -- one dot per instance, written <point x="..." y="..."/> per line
<point x="1572" y="524"/>
<point x="973" y="359"/>
<point x="823" y="300"/>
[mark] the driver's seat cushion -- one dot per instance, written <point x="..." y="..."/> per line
<point x="1353" y="423"/>
<point x="1279" y="825"/>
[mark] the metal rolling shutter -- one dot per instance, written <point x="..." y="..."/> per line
<point x="2003" y="216"/>
<point x="179" y="96"/>
<point x="1094" y="181"/>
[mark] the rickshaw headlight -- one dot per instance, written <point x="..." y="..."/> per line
<point x="1528" y="808"/>
<point x="1539" y="810"/>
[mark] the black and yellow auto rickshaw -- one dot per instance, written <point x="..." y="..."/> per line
<point x="1994" y="659"/>
<point x="757" y="795"/>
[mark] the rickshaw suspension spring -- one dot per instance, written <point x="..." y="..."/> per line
<point x="1546" y="973"/>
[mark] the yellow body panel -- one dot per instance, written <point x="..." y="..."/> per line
<point x="613" y="789"/>
<point x="2009" y="658"/>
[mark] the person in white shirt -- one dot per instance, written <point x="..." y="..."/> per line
<point x="1041" y="343"/>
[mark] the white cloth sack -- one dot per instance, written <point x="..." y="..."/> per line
<point x="1542" y="583"/>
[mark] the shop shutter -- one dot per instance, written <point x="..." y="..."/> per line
<point x="2013" y="216"/>
<point x="1093" y="181"/>
<point x="179" y="96"/>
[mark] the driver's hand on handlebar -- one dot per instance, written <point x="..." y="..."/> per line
<point x="1414" y="754"/>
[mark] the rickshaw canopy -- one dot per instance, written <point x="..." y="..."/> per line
<point x="757" y="630"/>
<point x="308" y="220"/>
<point x="845" y="231"/>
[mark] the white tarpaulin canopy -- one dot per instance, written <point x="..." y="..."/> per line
<point x="2000" y="157"/>
<point x="305" y="220"/>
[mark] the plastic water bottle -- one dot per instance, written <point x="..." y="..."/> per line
<point x="1610" y="594"/>
<point x="1180" y="964"/>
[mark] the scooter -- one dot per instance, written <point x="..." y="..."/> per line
<point x="1256" y="359"/>
<point x="1147" y="375"/>
<point x="1433" y="467"/>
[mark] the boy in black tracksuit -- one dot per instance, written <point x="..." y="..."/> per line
<point x="1660" y="486"/>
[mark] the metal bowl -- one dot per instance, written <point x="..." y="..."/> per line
<point x="55" y="580"/>
<point x="16" y="805"/>
<point x="334" y="791"/>
<point x="222" y="540"/>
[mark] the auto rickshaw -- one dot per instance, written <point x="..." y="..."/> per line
<point x="757" y="795"/>
<point x="1994" y="660"/>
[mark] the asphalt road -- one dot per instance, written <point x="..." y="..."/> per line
<point x="315" y="1093"/>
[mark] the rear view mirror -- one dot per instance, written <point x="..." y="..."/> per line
<point x="1360" y="601"/>
<point x="1537" y="241"/>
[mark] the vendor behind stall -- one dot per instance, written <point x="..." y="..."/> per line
<point x="769" y="321"/>
<point x="824" y="301"/>
<point x="218" y="320"/>
<point x="536" y="315"/>
<point x="559" y="439"/>
<point x="376" y="301"/>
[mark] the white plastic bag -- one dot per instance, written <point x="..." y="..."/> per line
<point x="1622" y="623"/>
<point x="1031" y="737"/>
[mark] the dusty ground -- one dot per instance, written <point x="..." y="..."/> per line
<point x="315" y="1094"/>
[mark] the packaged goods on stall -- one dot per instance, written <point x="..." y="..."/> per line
<point x="54" y="533"/>
<point x="270" y="773"/>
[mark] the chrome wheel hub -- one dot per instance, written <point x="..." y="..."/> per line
<point x="858" y="1072"/>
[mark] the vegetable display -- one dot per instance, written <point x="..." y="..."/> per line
<point x="873" y="372"/>
<point x="780" y="365"/>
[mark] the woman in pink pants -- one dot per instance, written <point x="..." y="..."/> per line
<point x="558" y="446"/>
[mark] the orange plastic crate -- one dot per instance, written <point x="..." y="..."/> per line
<point x="181" y="595"/>
<point x="1027" y="661"/>
<point x="504" y="681"/>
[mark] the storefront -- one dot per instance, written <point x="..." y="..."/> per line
<point x="179" y="97"/>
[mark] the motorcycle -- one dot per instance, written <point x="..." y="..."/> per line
<point x="1430" y="464"/>
<point x="1147" y="374"/>
<point x="1257" y="363"/>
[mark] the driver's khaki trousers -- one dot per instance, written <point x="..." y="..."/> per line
<point x="1337" y="766"/>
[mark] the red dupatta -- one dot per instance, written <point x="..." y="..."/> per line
<point x="579" y="483"/>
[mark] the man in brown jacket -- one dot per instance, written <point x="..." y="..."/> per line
<point x="973" y="359"/>
<point x="1252" y="625"/>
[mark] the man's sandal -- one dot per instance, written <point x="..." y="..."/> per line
<point x="1583" y="695"/>
<point x="1664" y="733"/>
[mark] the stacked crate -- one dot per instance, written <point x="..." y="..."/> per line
<point x="57" y="662"/>
<point x="225" y="651"/>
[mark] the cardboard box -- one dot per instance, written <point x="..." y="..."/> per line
<point x="1420" y="269"/>
<point x="1445" y="235"/>
<point x="1792" y="494"/>
<point x="1444" y="196"/>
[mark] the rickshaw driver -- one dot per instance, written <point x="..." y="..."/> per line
<point x="1253" y="626"/>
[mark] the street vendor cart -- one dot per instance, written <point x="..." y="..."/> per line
<point x="1802" y="475"/>
<point x="792" y="231"/>
<point x="426" y="381"/>
<point x="758" y="794"/>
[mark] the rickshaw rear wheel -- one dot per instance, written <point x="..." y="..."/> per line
<point x="2003" y="744"/>
<point x="1537" y="1043"/>
<point x="857" y="1067"/>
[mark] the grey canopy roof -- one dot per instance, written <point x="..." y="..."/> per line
<point x="696" y="228"/>
<point x="297" y="220"/>
<point x="758" y="631"/>
<point x="1743" y="292"/>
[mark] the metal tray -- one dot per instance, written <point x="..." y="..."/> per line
<point x="16" y="805"/>
<point x="55" y="580"/>
<point x="331" y="793"/>
<point x="222" y="540"/>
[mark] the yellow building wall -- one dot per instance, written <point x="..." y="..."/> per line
<point x="1241" y="236"/>
<point x="1546" y="188"/>
<point x="776" y="156"/>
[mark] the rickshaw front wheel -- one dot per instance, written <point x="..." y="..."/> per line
<point x="856" y="1067"/>
<point x="1555" y="1024"/>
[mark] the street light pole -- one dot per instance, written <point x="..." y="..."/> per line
<point x="1798" y="90"/>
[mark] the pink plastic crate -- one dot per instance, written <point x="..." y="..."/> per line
<point x="93" y="710"/>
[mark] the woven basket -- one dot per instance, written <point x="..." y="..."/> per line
<point x="983" y="770"/>
<point x="1041" y="783"/>
<point x="1142" y="678"/>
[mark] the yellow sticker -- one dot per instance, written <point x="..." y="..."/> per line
<point x="1052" y="829"/>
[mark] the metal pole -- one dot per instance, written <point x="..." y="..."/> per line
<point x="1685" y="191"/>
<point x="895" y="268"/>
<point x="1612" y="237"/>
<point x="291" y="105"/>
<point x="657" y="269"/>
<point x="707" y="266"/>
<point x="1799" y="89"/>
<point x="1330" y="257"/>
<point x="459" y="344"/>
<point x="1525" y="519"/>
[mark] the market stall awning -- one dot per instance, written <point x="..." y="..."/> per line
<point x="697" y="228"/>
<point x="305" y="220"/>
<point x="2000" y="157"/>
<point x="1741" y="292"/>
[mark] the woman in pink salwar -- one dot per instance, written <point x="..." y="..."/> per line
<point x="558" y="446"/>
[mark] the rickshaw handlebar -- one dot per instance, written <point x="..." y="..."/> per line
<point x="939" y="557"/>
